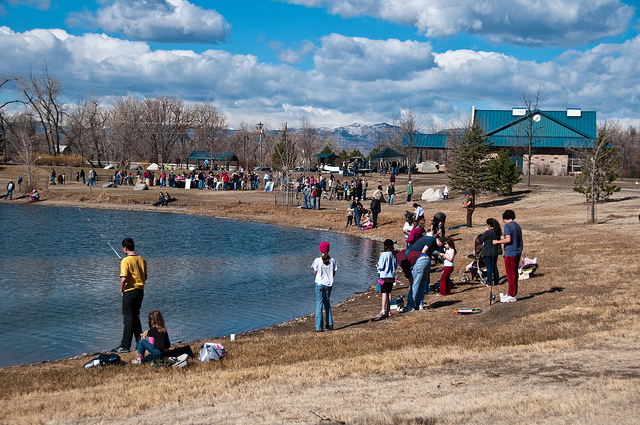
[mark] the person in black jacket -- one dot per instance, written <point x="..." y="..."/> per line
<point x="490" y="252"/>
<point x="375" y="210"/>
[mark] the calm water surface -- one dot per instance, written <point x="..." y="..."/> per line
<point x="210" y="277"/>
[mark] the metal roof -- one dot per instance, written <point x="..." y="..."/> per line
<point x="430" y="141"/>
<point x="213" y="156"/>
<point x="555" y="129"/>
<point x="387" y="153"/>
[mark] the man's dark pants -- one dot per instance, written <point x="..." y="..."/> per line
<point x="131" y="304"/>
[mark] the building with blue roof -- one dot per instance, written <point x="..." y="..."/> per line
<point x="557" y="136"/>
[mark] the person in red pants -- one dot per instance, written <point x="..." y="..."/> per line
<point x="448" y="256"/>
<point x="512" y="252"/>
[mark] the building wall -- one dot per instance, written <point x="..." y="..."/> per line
<point x="555" y="165"/>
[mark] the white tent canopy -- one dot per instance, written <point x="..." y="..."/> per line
<point x="428" y="167"/>
<point x="153" y="167"/>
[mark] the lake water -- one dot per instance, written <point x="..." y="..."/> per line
<point x="209" y="277"/>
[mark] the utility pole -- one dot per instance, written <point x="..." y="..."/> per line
<point x="260" y="125"/>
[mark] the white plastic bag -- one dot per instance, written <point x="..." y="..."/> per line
<point x="211" y="351"/>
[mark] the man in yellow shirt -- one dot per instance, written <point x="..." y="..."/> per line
<point x="133" y="275"/>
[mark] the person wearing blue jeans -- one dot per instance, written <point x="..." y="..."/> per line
<point x="421" y="274"/>
<point x="490" y="252"/>
<point x="356" y="211"/>
<point x="323" y="296"/>
<point x="10" y="188"/>
<point x="391" y="192"/>
<point x="155" y="341"/>
<point x="324" y="267"/>
<point x="145" y="344"/>
<point x="306" y="195"/>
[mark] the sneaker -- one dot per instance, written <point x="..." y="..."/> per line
<point x="137" y="360"/>
<point x="120" y="350"/>
<point x="181" y="361"/>
<point x="329" y="327"/>
<point x="421" y="306"/>
<point x="408" y="309"/>
<point x="381" y="315"/>
<point x="511" y="299"/>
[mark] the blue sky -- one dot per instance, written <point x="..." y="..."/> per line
<point x="335" y="62"/>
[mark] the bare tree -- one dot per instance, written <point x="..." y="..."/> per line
<point x="284" y="153"/>
<point x="3" y="121"/>
<point x="22" y="137"/>
<point x="627" y="143"/>
<point x="124" y="121"/>
<point x="210" y="128"/>
<point x="410" y="126"/>
<point x="86" y="131"/>
<point x="529" y="127"/>
<point x="166" y="122"/>
<point x="307" y="141"/>
<point x="600" y="167"/>
<point x="42" y="94"/>
<point x="328" y="142"/>
<point x="241" y="140"/>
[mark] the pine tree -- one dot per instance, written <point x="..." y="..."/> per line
<point x="469" y="169"/>
<point x="503" y="173"/>
<point x="599" y="168"/>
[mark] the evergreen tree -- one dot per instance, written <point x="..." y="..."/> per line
<point x="599" y="168"/>
<point x="469" y="168"/>
<point x="503" y="173"/>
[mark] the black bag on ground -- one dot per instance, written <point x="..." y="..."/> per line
<point x="104" y="359"/>
<point x="176" y="352"/>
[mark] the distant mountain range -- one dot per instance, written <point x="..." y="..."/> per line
<point x="359" y="136"/>
<point x="352" y="137"/>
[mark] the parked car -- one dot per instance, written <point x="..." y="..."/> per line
<point x="298" y="170"/>
<point x="263" y="169"/>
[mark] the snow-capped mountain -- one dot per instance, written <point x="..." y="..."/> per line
<point x="360" y="136"/>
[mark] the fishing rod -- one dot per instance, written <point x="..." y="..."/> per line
<point x="103" y="237"/>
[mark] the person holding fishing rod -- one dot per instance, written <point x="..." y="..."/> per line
<point x="133" y="275"/>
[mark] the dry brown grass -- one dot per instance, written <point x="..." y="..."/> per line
<point x="566" y="352"/>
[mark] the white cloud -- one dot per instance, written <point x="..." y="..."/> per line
<point x="351" y="82"/>
<point x="293" y="56"/>
<point x="364" y="59"/>
<point x="174" y="21"/>
<point x="518" y="22"/>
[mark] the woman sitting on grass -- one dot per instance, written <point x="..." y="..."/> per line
<point x="155" y="341"/>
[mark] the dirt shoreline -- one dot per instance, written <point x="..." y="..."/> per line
<point x="259" y="206"/>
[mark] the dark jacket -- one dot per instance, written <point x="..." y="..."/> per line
<point x="375" y="206"/>
<point x="488" y="248"/>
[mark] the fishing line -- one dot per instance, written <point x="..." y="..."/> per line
<point x="103" y="237"/>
